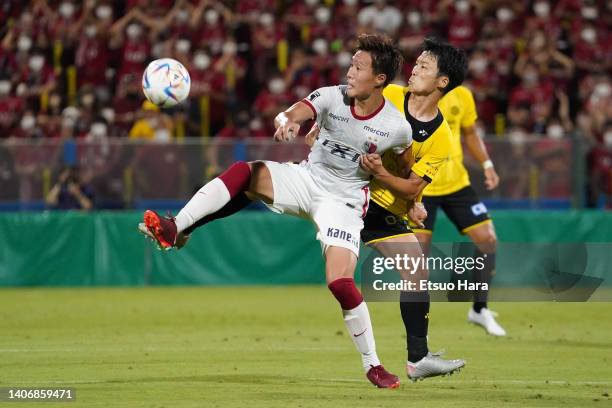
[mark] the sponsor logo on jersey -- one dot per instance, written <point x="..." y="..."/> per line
<point x="376" y="131"/>
<point x="342" y="235"/>
<point x="478" y="209"/>
<point x="423" y="133"/>
<point x="314" y="96"/>
<point x="341" y="150"/>
<point x="340" y="118"/>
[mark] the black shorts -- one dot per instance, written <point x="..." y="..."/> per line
<point x="380" y="224"/>
<point x="462" y="207"/>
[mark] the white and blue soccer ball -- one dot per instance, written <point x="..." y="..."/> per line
<point x="166" y="82"/>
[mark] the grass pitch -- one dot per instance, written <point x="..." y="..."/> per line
<point x="287" y="347"/>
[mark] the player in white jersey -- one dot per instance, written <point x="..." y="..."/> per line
<point x="330" y="188"/>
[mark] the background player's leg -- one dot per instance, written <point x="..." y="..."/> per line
<point x="241" y="177"/>
<point x="485" y="239"/>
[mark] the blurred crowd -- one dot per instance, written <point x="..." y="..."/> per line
<point x="72" y="69"/>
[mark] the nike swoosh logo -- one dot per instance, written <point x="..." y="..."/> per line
<point x="357" y="335"/>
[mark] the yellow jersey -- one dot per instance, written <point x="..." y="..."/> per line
<point x="142" y="129"/>
<point x="430" y="149"/>
<point x="459" y="110"/>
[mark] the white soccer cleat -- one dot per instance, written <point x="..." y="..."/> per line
<point x="433" y="365"/>
<point x="486" y="319"/>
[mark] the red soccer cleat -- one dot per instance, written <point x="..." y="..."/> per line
<point x="163" y="229"/>
<point x="382" y="378"/>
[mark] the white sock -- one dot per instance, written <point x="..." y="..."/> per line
<point x="359" y="326"/>
<point x="209" y="199"/>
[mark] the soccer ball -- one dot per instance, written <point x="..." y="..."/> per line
<point x="166" y="82"/>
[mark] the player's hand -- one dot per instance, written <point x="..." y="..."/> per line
<point x="312" y="135"/>
<point x="418" y="214"/>
<point x="285" y="129"/>
<point x="491" y="178"/>
<point x="286" y="132"/>
<point x="372" y="163"/>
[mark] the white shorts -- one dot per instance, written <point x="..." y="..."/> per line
<point x="296" y="193"/>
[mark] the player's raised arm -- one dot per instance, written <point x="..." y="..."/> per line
<point x="287" y="123"/>
<point x="319" y="101"/>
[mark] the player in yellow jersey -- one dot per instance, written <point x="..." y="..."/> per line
<point x="451" y="191"/>
<point x="439" y="69"/>
<point x="396" y="185"/>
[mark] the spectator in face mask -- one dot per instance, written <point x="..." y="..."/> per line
<point x="542" y="18"/>
<point x="14" y="53"/>
<point x="92" y="57"/>
<point x="50" y="120"/>
<point x="181" y="50"/>
<point x="485" y="83"/>
<point x="232" y="66"/>
<point x="11" y="107"/>
<point x="273" y="99"/>
<point x="62" y="22"/>
<point x="542" y="53"/>
<point x="463" y="22"/>
<point x="210" y="83"/>
<point x="28" y="127"/>
<point x="38" y="76"/>
<point x="533" y="89"/>
<point x="412" y="34"/>
<point x="265" y="35"/>
<point x="301" y="74"/>
<point x="592" y="51"/>
<point x="301" y="13"/>
<point x="322" y="26"/>
<point x="380" y="16"/>
<point x="596" y="101"/>
<point x="209" y="27"/>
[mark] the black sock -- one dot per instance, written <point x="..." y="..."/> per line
<point x="415" y="314"/>
<point x="484" y="275"/>
<point x="233" y="206"/>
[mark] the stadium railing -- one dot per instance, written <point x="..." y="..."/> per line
<point x="535" y="173"/>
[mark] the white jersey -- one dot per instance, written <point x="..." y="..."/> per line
<point x="344" y="136"/>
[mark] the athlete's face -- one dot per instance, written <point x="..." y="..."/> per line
<point x="361" y="79"/>
<point x="426" y="78"/>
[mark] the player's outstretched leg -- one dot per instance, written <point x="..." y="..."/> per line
<point x="340" y="265"/>
<point x="233" y="206"/>
<point x="219" y="198"/>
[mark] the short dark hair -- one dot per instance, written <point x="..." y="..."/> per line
<point x="386" y="57"/>
<point x="452" y="62"/>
